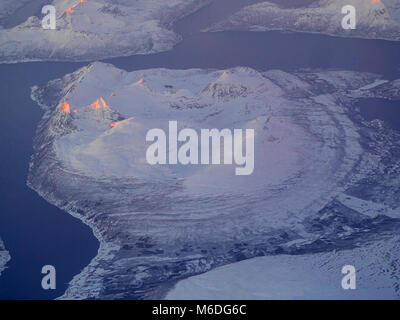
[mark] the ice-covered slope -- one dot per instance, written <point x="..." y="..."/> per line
<point x="316" y="162"/>
<point x="310" y="276"/>
<point x="375" y="19"/>
<point x="97" y="29"/>
<point x="4" y="256"/>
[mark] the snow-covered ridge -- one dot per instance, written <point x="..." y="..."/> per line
<point x="160" y="224"/>
<point x="4" y="256"/>
<point x="97" y="29"/>
<point x="375" y="20"/>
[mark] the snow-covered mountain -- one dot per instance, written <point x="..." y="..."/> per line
<point x="96" y="29"/>
<point x="4" y="256"/>
<point x="317" y="184"/>
<point x="375" y="19"/>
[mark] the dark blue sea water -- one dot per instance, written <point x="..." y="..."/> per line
<point x="386" y="110"/>
<point x="273" y="50"/>
<point x="37" y="233"/>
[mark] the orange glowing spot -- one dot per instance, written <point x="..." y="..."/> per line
<point x="114" y="124"/>
<point x="65" y="107"/>
<point x="104" y="103"/>
<point x="375" y="1"/>
<point x="75" y="110"/>
<point x="96" y="104"/>
<point x="140" y="81"/>
<point x="69" y="10"/>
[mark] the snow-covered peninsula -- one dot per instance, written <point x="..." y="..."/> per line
<point x="374" y="19"/>
<point x="96" y="29"/>
<point x="310" y="276"/>
<point x="316" y="186"/>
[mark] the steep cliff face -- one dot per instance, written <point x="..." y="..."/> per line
<point x="374" y="19"/>
<point x="315" y="160"/>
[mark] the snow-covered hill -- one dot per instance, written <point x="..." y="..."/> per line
<point x="4" y="256"/>
<point x="375" y="19"/>
<point x="318" y="168"/>
<point x="97" y="29"/>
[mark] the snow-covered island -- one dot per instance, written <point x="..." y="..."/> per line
<point x="4" y="256"/>
<point x="96" y="29"/>
<point x="320" y="170"/>
<point x="374" y="19"/>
